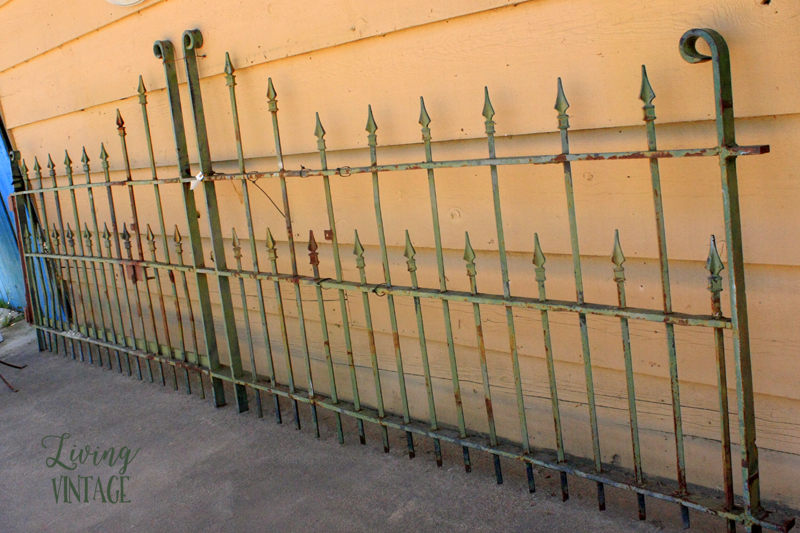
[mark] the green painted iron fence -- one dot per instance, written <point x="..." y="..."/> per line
<point x="94" y="296"/>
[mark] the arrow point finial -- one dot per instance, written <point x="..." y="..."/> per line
<point x="409" y="252"/>
<point x="488" y="110"/>
<point x="36" y="166"/>
<point x="228" y="65"/>
<point x="103" y="153"/>
<point x="150" y="236"/>
<point x="50" y="163"/>
<point x="312" y="242"/>
<point x="358" y="250"/>
<point x="371" y="126"/>
<point x="469" y="253"/>
<point x="84" y="156"/>
<point x="538" y="256"/>
<point x="270" y="240"/>
<point x="120" y="122"/>
<point x="616" y="255"/>
<point x="561" y="100"/>
<point x="319" y="131"/>
<point x="714" y="263"/>
<point x="424" y="118"/>
<point x="67" y="160"/>
<point x="141" y="90"/>
<point x="647" y="94"/>
<point x="271" y="94"/>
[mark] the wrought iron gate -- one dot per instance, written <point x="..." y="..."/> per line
<point x="77" y="301"/>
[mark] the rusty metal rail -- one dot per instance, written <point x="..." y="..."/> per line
<point x="75" y="296"/>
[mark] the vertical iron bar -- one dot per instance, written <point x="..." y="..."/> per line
<point x="179" y="252"/>
<point x="714" y="267"/>
<point x="82" y="265"/>
<point x="647" y="95"/>
<point x="50" y="265"/>
<point x="41" y="263"/>
<point x="237" y="254"/>
<point x="319" y="132"/>
<point x="410" y="252"/>
<point x="488" y="113"/>
<point x="563" y="125"/>
<point x="273" y="259"/>
<point x="88" y="236"/>
<point x="52" y="170"/>
<point x="372" y="140"/>
<point x="619" y="277"/>
<point x="164" y="51"/>
<point x="358" y="250"/>
<point x="69" y="242"/>
<point x="192" y="40"/>
<point x="115" y="232"/>
<point x="539" y="261"/>
<point x="314" y="259"/>
<point x="273" y="109"/>
<point x="134" y="275"/>
<point x="151" y="244"/>
<point x="424" y="121"/>
<point x="472" y="273"/>
<point x="230" y="81"/>
<point x="726" y="139"/>
<point x="137" y="232"/>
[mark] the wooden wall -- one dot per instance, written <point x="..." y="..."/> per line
<point x="69" y="66"/>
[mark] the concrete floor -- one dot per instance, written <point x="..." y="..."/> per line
<point x="205" y="469"/>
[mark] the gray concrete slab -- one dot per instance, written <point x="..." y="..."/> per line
<point x="204" y="469"/>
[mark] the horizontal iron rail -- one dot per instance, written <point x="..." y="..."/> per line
<point x="579" y="468"/>
<point x="650" y="315"/>
<point x="457" y="163"/>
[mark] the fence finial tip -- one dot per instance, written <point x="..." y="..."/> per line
<point x="616" y="255"/>
<point x="409" y="252"/>
<point x="271" y="94"/>
<point x="50" y="163"/>
<point x="103" y="153"/>
<point x="228" y="65"/>
<point x="371" y="126"/>
<point x="561" y="100"/>
<point x="106" y="234"/>
<point x="647" y="94"/>
<point x="150" y="236"/>
<point x="358" y="250"/>
<point x="714" y="263"/>
<point x="67" y="160"/>
<point x="488" y="110"/>
<point x="424" y="118"/>
<point x="469" y="253"/>
<point x="312" y="242"/>
<point x="125" y="234"/>
<point x="319" y="131"/>
<point x="141" y="90"/>
<point x="120" y="122"/>
<point x="23" y="167"/>
<point x="84" y="156"/>
<point x="86" y="233"/>
<point x="538" y="256"/>
<point x="36" y="166"/>
<point x="270" y="240"/>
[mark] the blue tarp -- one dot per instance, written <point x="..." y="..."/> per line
<point x="12" y="287"/>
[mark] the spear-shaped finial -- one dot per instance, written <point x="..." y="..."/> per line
<point x="618" y="258"/>
<point x="106" y="236"/>
<point x="538" y="256"/>
<point x="714" y="263"/>
<point x="371" y="126"/>
<point x="70" y="235"/>
<point x="177" y="240"/>
<point x="24" y="168"/>
<point x="561" y="100"/>
<point x="313" y="256"/>
<point x="228" y="65"/>
<point x="51" y="165"/>
<point x="319" y="131"/>
<point x="358" y="250"/>
<point x="646" y="95"/>
<point x="409" y="254"/>
<point x="142" y="91"/>
<point x="67" y="160"/>
<point x="126" y="236"/>
<point x="84" y="157"/>
<point x="86" y="233"/>
<point x="273" y="253"/>
<point x="120" y="122"/>
<point x="151" y="239"/>
<point x="236" y="245"/>
<point x="469" y="255"/>
<point x="55" y="236"/>
<point x="424" y="118"/>
<point x="488" y="110"/>
<point x="103" y="155"/>
<point x="271" y="94"/>
<point x="37" y="168"/>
